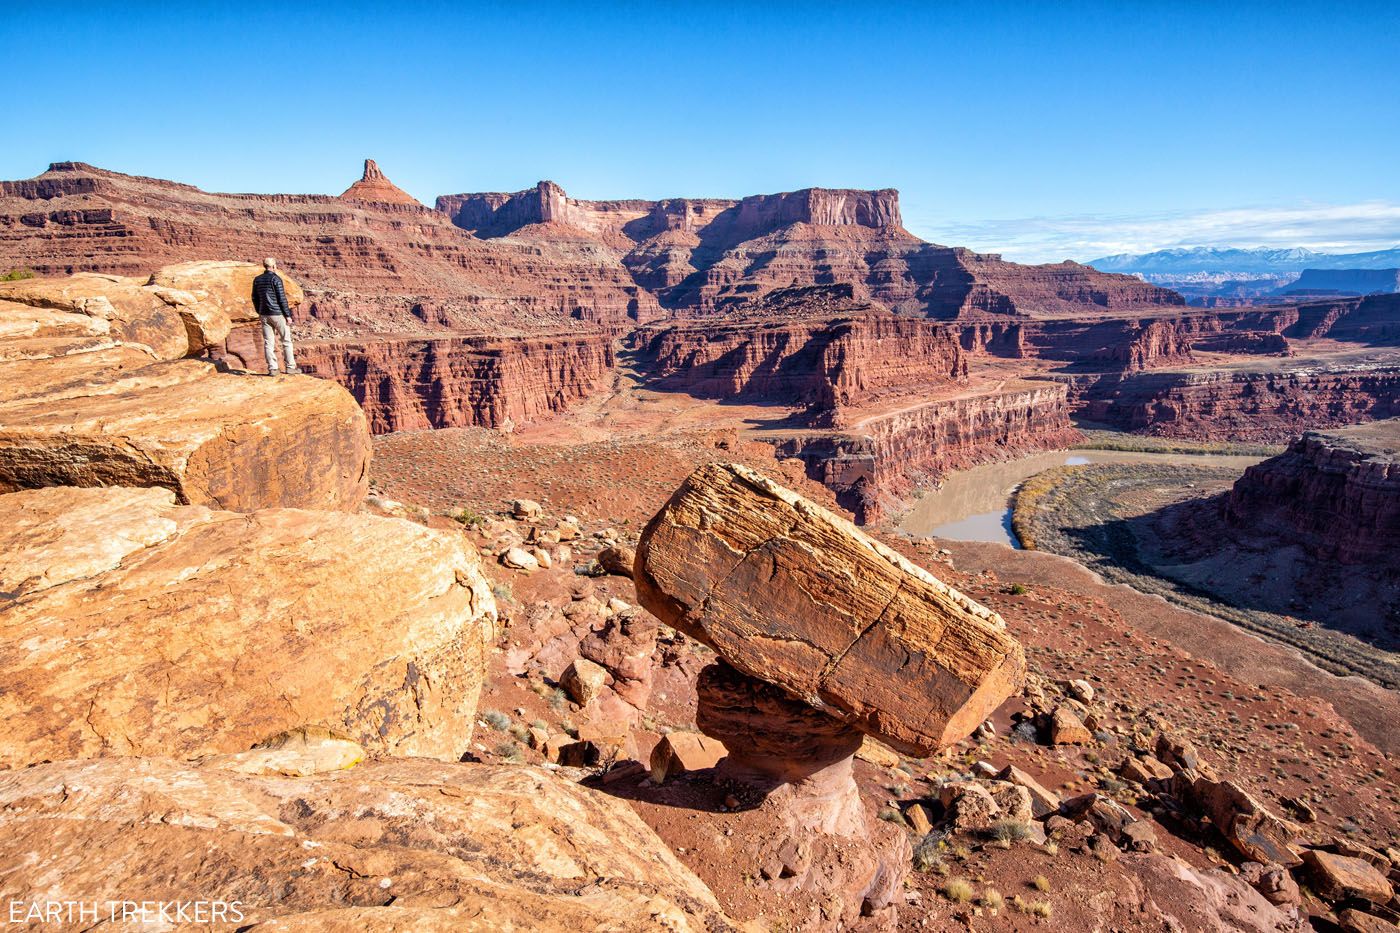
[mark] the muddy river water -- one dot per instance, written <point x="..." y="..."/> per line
<point x="975" y="505"/>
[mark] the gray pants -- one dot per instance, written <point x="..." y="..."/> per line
<point x="273" y="327"/>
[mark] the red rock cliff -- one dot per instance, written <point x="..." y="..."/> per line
<point x="1270" y="403"/>
<point x="1336" y="492"/>
<point x="873" y="461"/>
<point x="451" y="382"/>
<point x="820" y="361"/>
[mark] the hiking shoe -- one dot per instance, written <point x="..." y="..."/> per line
<point x="273" y="372"/>
<point x="294" y="371"/>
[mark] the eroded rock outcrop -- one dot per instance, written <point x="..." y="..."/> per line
<point x="798" y="346"/>
<point x="136" y="626"/>
<point x="824" y="636"/>
<point x="1270" y="402"/>
<point x="874" y="455"/>
<point x="407" y="845"/>
<point x="374" y="185"/>
<point x="407" y="384"/>
<point x="84" y="403"/>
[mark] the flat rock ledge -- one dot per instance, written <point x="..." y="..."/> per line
<point x="131" y="625"/>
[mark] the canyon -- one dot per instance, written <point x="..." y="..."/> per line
<point x="626" y="541"/>
<point x="886" y="360"/>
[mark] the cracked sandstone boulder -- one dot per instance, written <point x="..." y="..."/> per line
<point x="76" y="410"/>
<point x="131" y="625"/>
<point x="790" y="594"/>
<point x="405" y="845"/>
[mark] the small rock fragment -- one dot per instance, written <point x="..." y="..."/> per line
<point x="683" y="752"/>
<point x="1067" y="729"/>
<point x="517" y="558"/>
<point x="1043" y="802"/>
<point x="583" y="680"/>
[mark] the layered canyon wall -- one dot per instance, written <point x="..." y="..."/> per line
<point x="1335" y="492"/>
<point x="407" y="383"/>
<point x="873" y="462"/>
<point x="821" y="362"/>
<point x="1264" y="405"/>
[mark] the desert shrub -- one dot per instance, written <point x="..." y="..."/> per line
<point x="1009" y="831"/>
<point x="468" y="518"/>
<point x="511" y="752"/>
<point x="1017" y="589"/>
<point x="519" y="731"/>
<point x="928" y="854"/>
<point x="892" y="815"/>
<point x="1025" y="731"/>
<point x="956" y="890"/>
<point x="496" y="719"/>
<point x="1040" y="883"/>
<point x="14" y="275"/>
<point x="503" y="593"/>
<point x="992" y="899"/>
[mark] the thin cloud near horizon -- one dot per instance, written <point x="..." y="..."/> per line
<point x="1346" y="228"/>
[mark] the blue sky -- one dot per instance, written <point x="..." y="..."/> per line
<point x="1042" y="131"/>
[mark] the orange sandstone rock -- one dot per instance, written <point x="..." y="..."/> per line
<point x="793" y="595"/>
<point x="131" y="625"/>
<point x="377" y="847"/>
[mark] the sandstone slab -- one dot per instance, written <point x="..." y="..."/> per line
<point x="791" y="594"/>
<point x="135" y="315"/>
<point x="1250" y="827"/>
<point x="114" y="417"/>
<point x="1341" y="877"/>
<point x="406" y="845"/>
<point x="131" y="625"/>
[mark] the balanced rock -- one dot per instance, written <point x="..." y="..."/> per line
<point x="792" y="595"/>
<point x="377" y="847"/>
<point x="130" y="625"/>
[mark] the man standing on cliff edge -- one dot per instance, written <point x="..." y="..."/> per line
<point x="270" y="301"/>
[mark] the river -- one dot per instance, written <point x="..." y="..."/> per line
<point x="975" y="504"/>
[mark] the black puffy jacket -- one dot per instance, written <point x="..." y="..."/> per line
<point x="269" y="297"/>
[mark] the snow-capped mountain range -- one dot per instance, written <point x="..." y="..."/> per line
<point x="1262" y="262"/>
